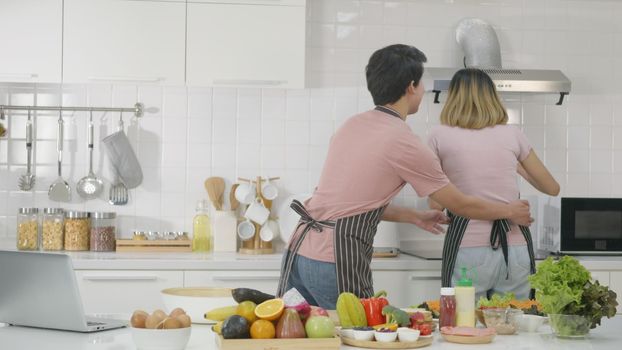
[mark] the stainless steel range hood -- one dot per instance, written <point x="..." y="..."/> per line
<point x="481" y="48"/>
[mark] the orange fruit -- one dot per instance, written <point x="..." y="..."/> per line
<point x="262" y="329"/>
<point x="246" y="309"/>
<point x="270" y="309"/>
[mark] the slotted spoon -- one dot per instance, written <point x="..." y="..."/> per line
<point x="27" y="181"/>
<point x="90" y="186"/>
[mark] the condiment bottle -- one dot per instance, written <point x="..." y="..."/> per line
<point x="201" y="229"/>
<point x="465" y="300"/>
<point x="448" y="308"/>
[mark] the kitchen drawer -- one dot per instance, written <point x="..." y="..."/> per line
<point x="265" y="281"/>
<point x="406" y="288"/>
<point x="125" y="291"/>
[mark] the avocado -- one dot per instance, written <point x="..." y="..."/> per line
<point x="244" y="294"/>
<point x="235" y="327"/>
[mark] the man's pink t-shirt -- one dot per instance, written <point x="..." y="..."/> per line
<point x="370" y="158"/>
<point x="482" y="163"/>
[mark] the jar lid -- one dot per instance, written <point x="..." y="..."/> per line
<point x="74" y="214"/>
<point x="53" y="211"/>
<point x="103" y="215"/>
<point x="28" y="210"/>
<point x="448" y="291"/>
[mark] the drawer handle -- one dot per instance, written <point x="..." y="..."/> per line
<point x="249" y="82"/>
<point x="138" y="79"/>
<point x="23" y="76"/>
<point x="119" y="278"/>
<point x="245" y="278"/>
<point x="425" y="278"/>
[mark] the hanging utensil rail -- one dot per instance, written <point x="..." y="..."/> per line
<point x="138" y="109"/>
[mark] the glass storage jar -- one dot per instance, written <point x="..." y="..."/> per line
<point x="52" y="229"/>
<point x="28" y="229"/>
<point x="103" y="231"/>
<point x="77" y="230"/>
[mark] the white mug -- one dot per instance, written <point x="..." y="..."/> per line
<point x="257" y="212"/>
<point x="245" y="193"/>
<point x="269" y="230"/>
<point x="269" y="191"/>
<point x="246" y="230"/>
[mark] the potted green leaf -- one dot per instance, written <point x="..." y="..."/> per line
<point x="575" y="304"/>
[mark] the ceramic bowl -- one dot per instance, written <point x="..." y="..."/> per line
<point x="408" y="334"/>
<point x="347" y="333"/>
<point x="385" y="337"/>
<point x="197" y="301"/>
<point x="161" y="339"/>
<point x="363" y="335"/>
<point x="531" y="323"/>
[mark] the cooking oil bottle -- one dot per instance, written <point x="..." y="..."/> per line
<point x="201" y="229"/>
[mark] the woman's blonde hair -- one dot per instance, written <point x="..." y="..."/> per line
<point x="473" y="102"/>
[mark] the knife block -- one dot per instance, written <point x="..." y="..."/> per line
<point x="254" y="245"/>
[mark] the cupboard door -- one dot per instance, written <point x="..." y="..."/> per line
<point x="423" y="285"/>
<point x="31" y="37"/>
<point x="615" y="283"/>
<point x="265" y="281"/>
<point x="246" y="44"/>
<point x="122" y="292"/>
<point x="123" y="40"/>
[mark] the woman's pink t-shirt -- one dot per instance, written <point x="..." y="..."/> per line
<point x="482" y="163"/>
<point x="370" y="158"/>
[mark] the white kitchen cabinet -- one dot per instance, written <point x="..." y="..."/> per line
<point x="31" y="37"/>
<point x="123" y="40"/>
<point x="265" y="281"/>
<point x="114" y="292"/>
<point x="601" y="276"/>
<point x="615" y="283"/>
<point x="406" y="288"/>
<point x="246" y="43"/>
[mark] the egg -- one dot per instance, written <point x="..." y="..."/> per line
<point x="184" y="320"/>
<point x="171" y="323"/>
<point x="138" y="319"/>
<point x="176" y="312"/>
<point x="153" y="322"/>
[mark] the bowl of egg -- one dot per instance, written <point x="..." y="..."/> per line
<point x="161" y="331"/>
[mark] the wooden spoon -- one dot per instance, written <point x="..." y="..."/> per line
<point x="215" y="187"/>
<point x="234" y="201"/>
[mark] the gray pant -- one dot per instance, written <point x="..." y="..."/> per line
<point x="490" y="272"/>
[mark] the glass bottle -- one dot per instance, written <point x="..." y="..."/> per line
<point x="28" y="229"/>
<point x="448" y="308"/>
<point x="77" y="230"/>
<point x="53" y="231"/>
<point x="201" y="229"/>
<point x="103" y="232"/>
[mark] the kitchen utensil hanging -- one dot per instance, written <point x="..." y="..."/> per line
<point x="60" y="190"/>
<point x="118" y="194"/>
<point x="90" y="187"/>
<point x="27" y="180"/>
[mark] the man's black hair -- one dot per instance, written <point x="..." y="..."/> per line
<point x="391" y="70"/>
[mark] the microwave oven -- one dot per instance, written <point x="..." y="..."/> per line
<point x="591" y="226"/>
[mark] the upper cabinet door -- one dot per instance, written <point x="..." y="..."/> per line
<point x="124" y="40"/>
<point x="246" y="43"/>
<point x="31" y="37"/>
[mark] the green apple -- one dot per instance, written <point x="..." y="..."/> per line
<point x="320" y="327"/>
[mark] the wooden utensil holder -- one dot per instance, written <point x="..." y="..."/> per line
<point x="255" y="245"/>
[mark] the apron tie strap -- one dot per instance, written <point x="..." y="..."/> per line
<point x="306" y="219"/>
<point x="499" y="238"/>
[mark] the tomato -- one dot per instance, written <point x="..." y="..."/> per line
<point x="425" y="329"/>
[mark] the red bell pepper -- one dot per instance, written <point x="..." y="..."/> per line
<point x="373" y="308"/>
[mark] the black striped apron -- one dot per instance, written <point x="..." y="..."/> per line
<point x="353" y="243"/>
<point x="498" y="239"/>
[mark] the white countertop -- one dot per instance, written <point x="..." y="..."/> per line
<point x="607" y="336"/>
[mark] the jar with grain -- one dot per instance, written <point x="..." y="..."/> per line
<point x="103" y="232"/>
<point x="77" y="230"/>
<point x="28" y="229"/>
<point x="53" y="231"/>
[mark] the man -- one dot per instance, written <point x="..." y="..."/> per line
<point x="370" y="158"/>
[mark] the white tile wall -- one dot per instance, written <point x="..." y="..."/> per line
<point x="193" y="133"/>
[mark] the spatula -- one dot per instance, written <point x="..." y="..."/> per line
<point x="60" y="190"/>
<point x="234" y="201"/>
<point x="215" y="187"/>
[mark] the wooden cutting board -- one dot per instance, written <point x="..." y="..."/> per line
<point x="131" y="245"/>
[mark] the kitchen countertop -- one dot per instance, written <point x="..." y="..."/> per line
<point x="607" y="336"/>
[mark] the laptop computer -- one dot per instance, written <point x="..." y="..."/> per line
<point x="40" y="290"/>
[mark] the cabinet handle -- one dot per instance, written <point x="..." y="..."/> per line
<point x="137" y="79"/>
<point x="249" y="82"/>
<point x="119" y="278"/>
<point x="22" y="76"/>
<point x="245" y="278"/>
<point x="425" y="278"/>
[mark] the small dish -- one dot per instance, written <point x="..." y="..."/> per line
<point x="365" y="335"/>
<point x="347" y="333"/>
<point x="531" y="323"/>
<point x="385" y="337"/>
<point x="407" y="334"/>
<point x="161" y="339"/>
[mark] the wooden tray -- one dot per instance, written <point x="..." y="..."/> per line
<point x="421" y="342"/>
<point x="279" y="344"/>
<point x="131" y="245"/>
<point x="462" y="339"/>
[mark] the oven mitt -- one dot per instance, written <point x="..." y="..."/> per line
<point x="123" y="158"/>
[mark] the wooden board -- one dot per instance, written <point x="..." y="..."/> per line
<point x="461" y="339"/>
<point x="131" y="245"/>
<point x="420" y="343"/>
<point x="279" y="344"/>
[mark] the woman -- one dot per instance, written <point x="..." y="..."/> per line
<point x="481" y="155"/>
<point x="370" y="159"/>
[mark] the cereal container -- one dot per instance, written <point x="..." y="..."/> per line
<point x="28" y="229"/>
<point x="103" y="232"/>
<point x="77" y="230"/>
<point x="53" y="230"/>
